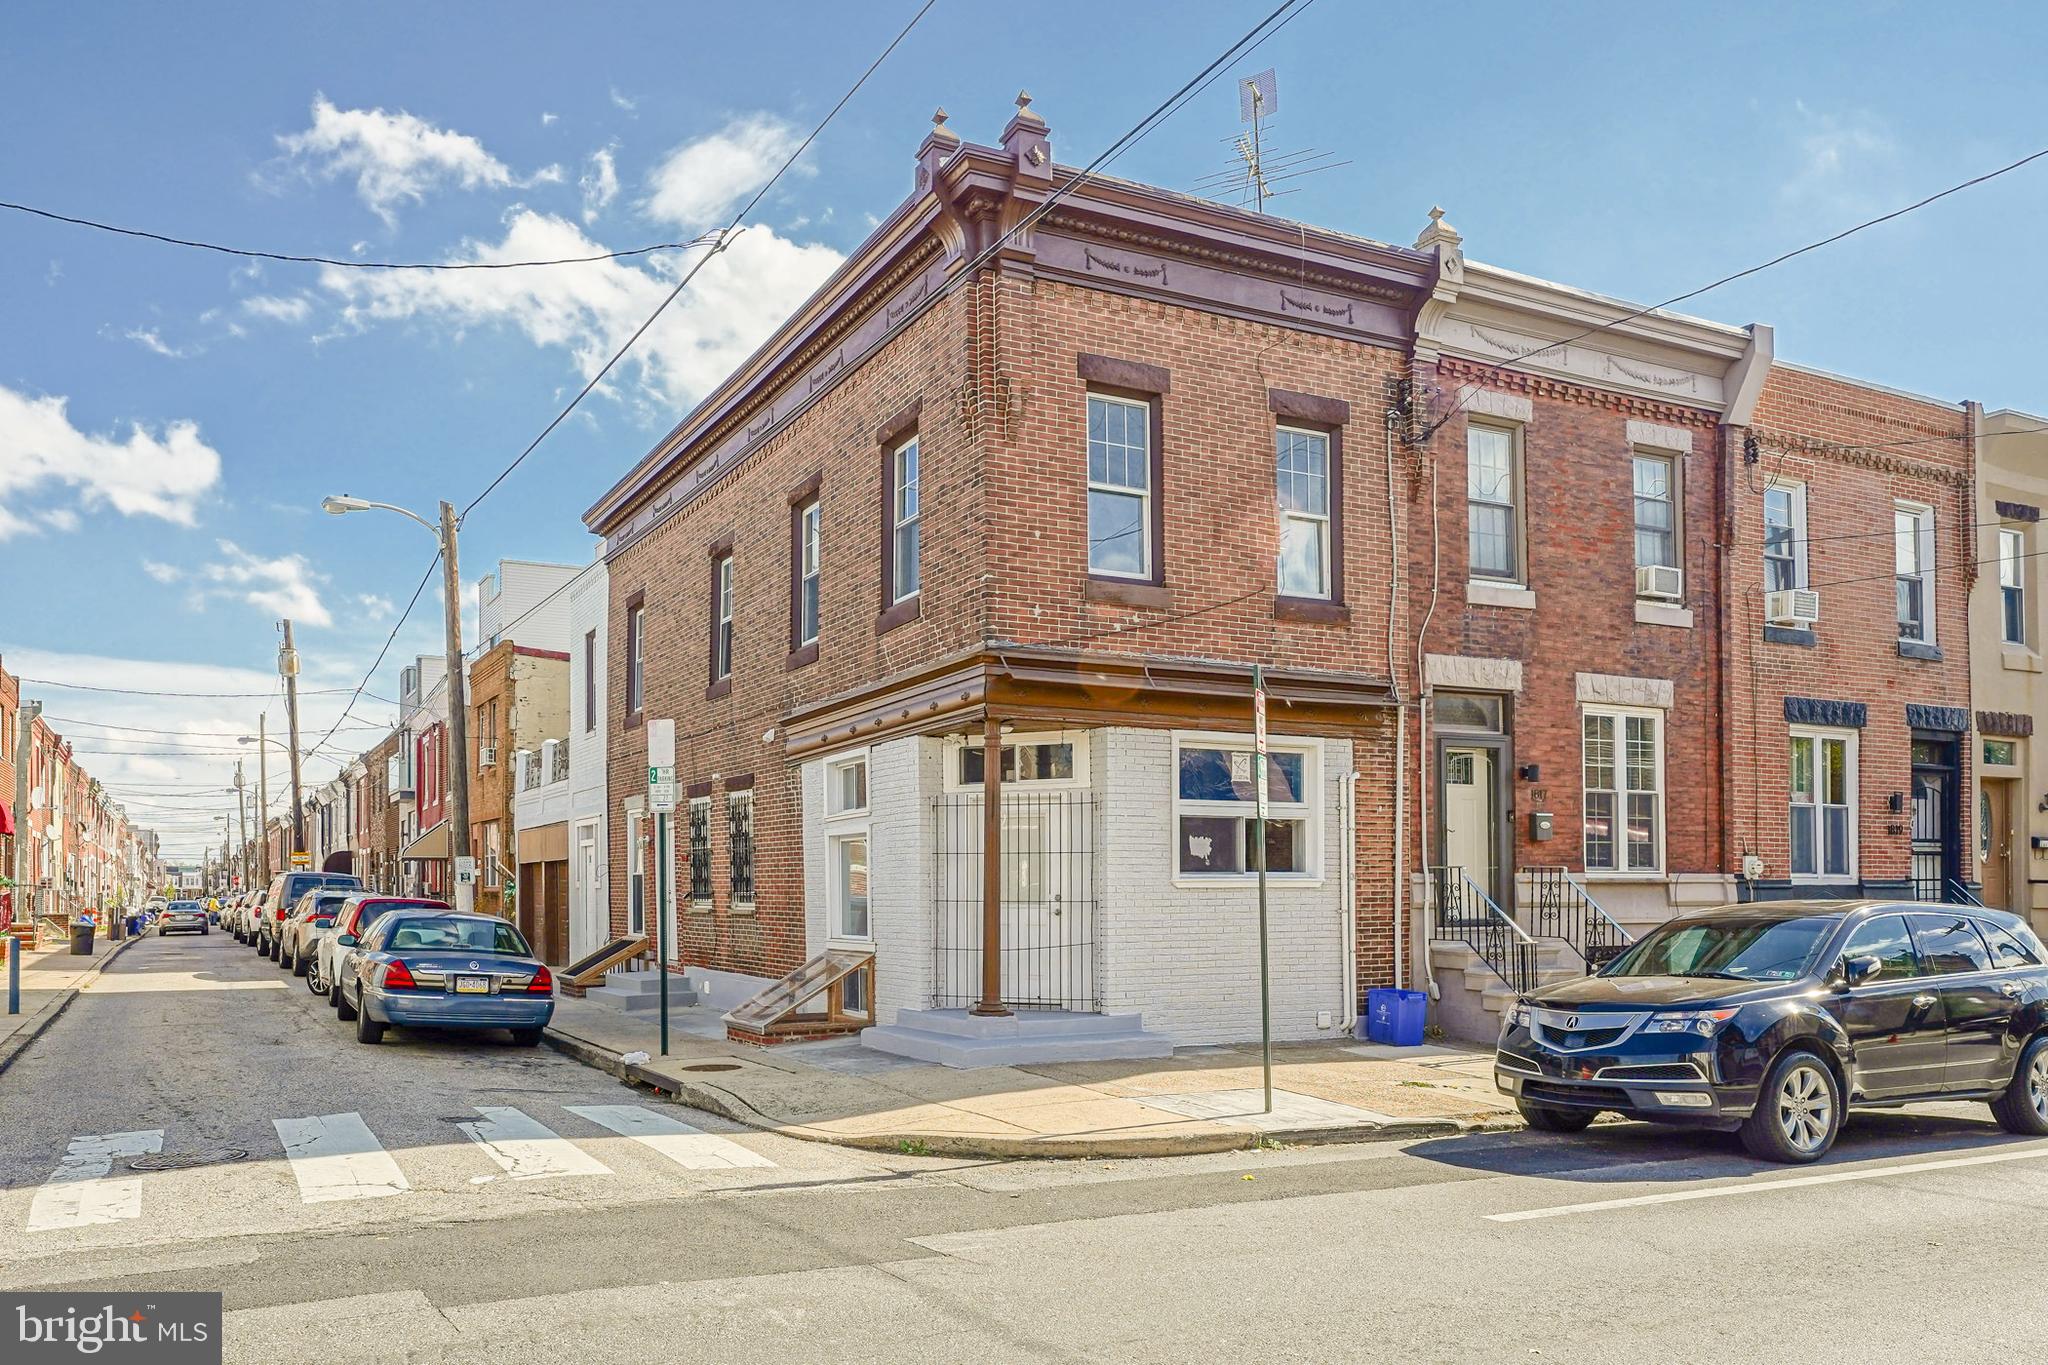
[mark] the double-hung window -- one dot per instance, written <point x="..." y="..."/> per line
<point x="1823" y="804"/>
<point x="589" y="681"/>
<point x="1119" y="487"/>
<point x="846" y="833"/>
<point x="636" y="872"/>
<point x="808" y="562"/>
<point x="1784" y="537"/>
<point x="721" y="617"/>
<point x="1215" y="808"/>
<point x="1656" y="507"/>
<point x="2012" y="590"/>
<point x="739" y="847"/>
<point x="636" y="647"/>
<point x="1492" y="485"/>
<point x="1624" y="801"/>
<point x="905" y="514"/>
<point x="700" y="851"/>
<point x="1302" y="475"/>
<point x="1913" y="538"/>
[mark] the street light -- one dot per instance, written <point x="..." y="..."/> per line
<point x="458" y="705"/>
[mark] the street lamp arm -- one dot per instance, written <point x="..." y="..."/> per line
<point x="344" y="504"/>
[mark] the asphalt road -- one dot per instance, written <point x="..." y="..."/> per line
<point x="346" y="1214"/>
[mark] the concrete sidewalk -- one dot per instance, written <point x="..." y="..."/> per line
<point x="1199" y="1100"/>
<point x="50" y="979"/>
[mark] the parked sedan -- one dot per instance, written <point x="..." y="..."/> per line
<point x="283" y="893"/>
<point x="1771" y="1019"/>
<point x="182" y="917"/>
<point x="296" y="938"/>
<point x="358" y="911"/>
<point x="445" y="970"/>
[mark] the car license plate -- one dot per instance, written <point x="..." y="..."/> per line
<point x="472" y="985"/>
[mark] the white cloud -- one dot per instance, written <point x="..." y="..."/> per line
<point x="284" y="586"/>
<point x="374" y="607"/>
<point x="702" y="181"/>
<point x="292" y="309"/>
<point x="397" y="157"/>
<point x="61" y="519"/>
<point x="144" y="474"/>
<point x="591" y="310"/>
<point x="624" y="102"/>
<point x="150" y="340"/>
<point x="160" y="571"/>
<point x="547" y="118"/>
<point x="1843" y="161"/>
<point x="600" y="184"/>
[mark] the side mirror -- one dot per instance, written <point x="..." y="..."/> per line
<point x="1858" y="970"/>
<point x="347" y="940"/>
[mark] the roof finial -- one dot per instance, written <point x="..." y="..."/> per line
<point x="939" y="117"/>
<point x="1023" y="99"/>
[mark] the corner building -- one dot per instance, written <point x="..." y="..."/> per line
<point x="1022" y="513"/>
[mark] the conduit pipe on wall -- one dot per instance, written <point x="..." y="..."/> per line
<point x="1349" y="957"/>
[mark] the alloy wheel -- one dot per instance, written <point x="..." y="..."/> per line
<point x="1806" y="1111"/>
<point x="2037" y="1083"/>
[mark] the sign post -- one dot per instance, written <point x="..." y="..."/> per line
<point x="1259" y="853"/>
<point x="661" y="800"/>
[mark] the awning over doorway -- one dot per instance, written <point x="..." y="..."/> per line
<point x="432" y="845"/>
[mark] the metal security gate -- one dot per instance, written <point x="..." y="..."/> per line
<point x="1048" y="911"/>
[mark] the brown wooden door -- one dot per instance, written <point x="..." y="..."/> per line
<point x="1995" y="843"/>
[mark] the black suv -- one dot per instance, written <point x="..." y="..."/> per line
<point x="1770" y="1018"/>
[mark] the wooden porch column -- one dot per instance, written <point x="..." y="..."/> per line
<point x="991" y="869"/>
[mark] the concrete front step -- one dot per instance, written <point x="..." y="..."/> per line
<point x="1471" y="995"/>
<point x="958" y="1038"/>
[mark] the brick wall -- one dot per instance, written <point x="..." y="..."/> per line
<point x="1856" y="448"/>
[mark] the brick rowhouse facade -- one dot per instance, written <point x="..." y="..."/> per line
<point x="1223" y="326"/>
<point x="1852" y="456"/>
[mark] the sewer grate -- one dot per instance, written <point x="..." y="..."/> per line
<point x="712" y="1066"/>
<point x="180" y="1161"/>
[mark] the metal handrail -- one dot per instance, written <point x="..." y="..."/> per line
<point x="1565" y="909"/>
<point x="1461" y="910"/>
<point x="1959" y="894"/>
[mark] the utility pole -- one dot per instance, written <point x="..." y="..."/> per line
<point x="24" y="746"/>
<point x="242" y="809"/>
<point x="458" y="712"/>
<point x="288" y="669"/>
<point x="263" y="790"/>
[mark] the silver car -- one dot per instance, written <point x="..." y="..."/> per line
<point x="182" y="917"/>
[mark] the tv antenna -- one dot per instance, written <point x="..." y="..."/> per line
<point x="1251" y="179"/>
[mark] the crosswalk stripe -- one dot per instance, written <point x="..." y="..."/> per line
<point x="674" y="1139"/>
<point x="527" y="1149"/>
<point x="335" y="1156"/>
<point x="78" y="1194"/>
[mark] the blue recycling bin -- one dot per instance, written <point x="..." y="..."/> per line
<point x="1395" y="1017"/>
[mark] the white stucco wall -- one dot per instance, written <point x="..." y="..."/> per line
<point x="589" y="610"/>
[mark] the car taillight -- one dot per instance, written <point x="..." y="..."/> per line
<point x="543" y="982"/>
<point x="398" y="977"/>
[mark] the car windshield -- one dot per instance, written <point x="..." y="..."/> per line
<point x="184" y="905"/>
<point x="475" y="935"/>
<point x="1738" y="949"/>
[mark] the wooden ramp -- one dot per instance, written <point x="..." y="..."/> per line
<point x="579" y="976"/>
<point x="843" y="977"/>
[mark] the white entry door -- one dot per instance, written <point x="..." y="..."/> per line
<point x="1469" y="816"/>
<point x="587" y="929"/>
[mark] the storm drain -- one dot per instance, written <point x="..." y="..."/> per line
<point x="185" y="1161"/>
<point x="712" y="1066"/>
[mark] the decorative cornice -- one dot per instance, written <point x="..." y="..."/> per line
<point x="1862" y="457"/>
<point x="1085" y="226"/>
<point x="1452" y="369"/>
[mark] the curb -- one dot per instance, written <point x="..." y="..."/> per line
<point x="18" y="1042"/>
<point x="725" y="1104"/>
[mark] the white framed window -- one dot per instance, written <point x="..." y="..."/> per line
<point x="1493" y="481"/>
<point x="636" y="872"/>
<point x="809" y="572"/>
<point x="1119" y="487"/>
<point x="1302" y="478"/>
<point x="2012" y="586"/>
<point x="721" y="619"/>
<point x="1623" y="786"/>
<point x="1215" y="806"/>
<point x="1784" y="535"/>
<point x="846" y="785"/>
<point x="1822" y="799"/>
<point x="1913" y="553"/>
<point x="906" y="516"/>
<point x="849" y="886"/>
<point x="1656" y="511"/>
<point x="1050" y="758"/>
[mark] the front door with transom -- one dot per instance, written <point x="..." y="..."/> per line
<point x="1469" y="818"/>
<point x="1994" y="843"/>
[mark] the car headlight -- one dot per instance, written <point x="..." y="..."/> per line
<point x="1702" y="1022"/>
<point x="1515" y="1016"/>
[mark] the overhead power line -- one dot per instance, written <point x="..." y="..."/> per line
<point x="295" y="259"/>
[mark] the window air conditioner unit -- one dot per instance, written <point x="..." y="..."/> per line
<point x="1660" y="580"/>
<point x="1792" y="607"/>
<point x="486" y="755"/>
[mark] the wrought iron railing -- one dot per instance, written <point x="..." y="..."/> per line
<point x="1461" y="910"/>
<point x="1561" y="907"/>
<point x="1047" y="932"/>
<point x="1937" y="890"/>
<point x="558" y="769"/>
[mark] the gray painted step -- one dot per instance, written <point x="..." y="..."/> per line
<point x="957" y="1038"/>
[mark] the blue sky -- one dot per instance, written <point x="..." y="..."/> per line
<point x="169" y="419"/>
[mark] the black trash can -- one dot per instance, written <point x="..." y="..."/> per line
<point x="81" y="940"/>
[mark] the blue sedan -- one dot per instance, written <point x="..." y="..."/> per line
<point x="445" y="970"/>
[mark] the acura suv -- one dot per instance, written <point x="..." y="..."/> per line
<point x="1771" y="1019"/>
